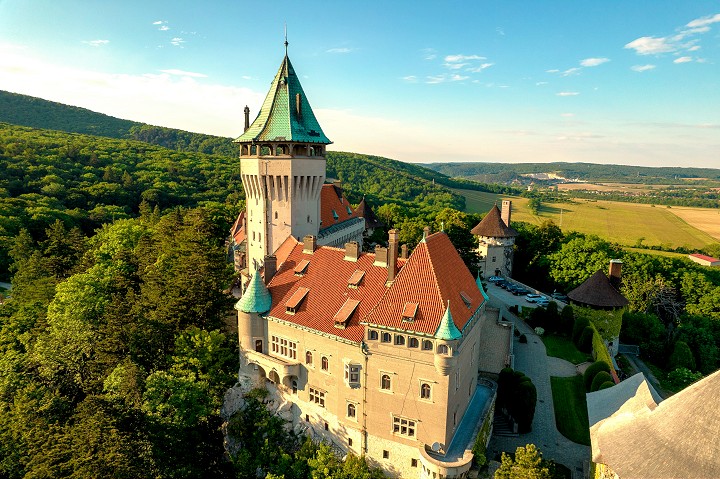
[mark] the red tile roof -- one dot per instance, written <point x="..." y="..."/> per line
<point x="332" y="199"/>
<point x="238" y="228"/>
<point x="346" y="310"/>
<point x="433" y="274"/>
<point x="705" y="257"/>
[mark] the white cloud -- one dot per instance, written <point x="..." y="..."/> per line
<point x="554" y="70"/>
<point x="571" y="71"/>
<point x="567" y="93"/>
<point x="704" y="21"/>
<point x="650" y="45"/>
<point x="434" y="79"/>
<point x="184" y="73"/>
<point x="338" y="50"/>
<point x="593" y="62"/>
<point x="642" y="68"/>
<point x="177" y="41"/>
<point x="159" y="22"/>
<point x="164" y="28"/>
<point x="462" y="58"/>
<point x="694" y="48"/>
<point x="410" y="79"/>
<point x="429" y="53"/>
<point x="682" y="60"/>
<point x="480" y="68"/>
<point x="454" y="66"/>
<point x="96" y="43"/>
<point x="540" y="83"/>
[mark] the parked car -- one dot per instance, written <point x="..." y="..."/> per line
<point x="520" y="291"/>
<point x="560" y="297"/>
<point x="542" y="301"/>
<point x="532" y="298"/>
<point x="495" y="279"/>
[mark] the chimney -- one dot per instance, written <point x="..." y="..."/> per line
<point x="338" y="189"/>
<point x="352" y="251"/>
<point x="403" y="251"/>
<point x="298" y="104"/>
<point x="381" y="256"/>
<point x="615" y="274"/>
<point x="392" y="255"/>
<point x="247" y="118"/>
<point x="426" y="232"/>
<point x="506" y="211"/>
<point x="270" y="267"/>
<point x="309" y="244"/>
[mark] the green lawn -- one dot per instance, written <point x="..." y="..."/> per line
<point x="625" y="223"/>
<point x="563" y="348"/>
<point x="570" y="407"/>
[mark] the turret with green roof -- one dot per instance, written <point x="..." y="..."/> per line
<point x="256" y="298"/>
<point x="447" y="331"/>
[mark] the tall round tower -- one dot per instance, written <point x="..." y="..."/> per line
<point x="282" y="161"/>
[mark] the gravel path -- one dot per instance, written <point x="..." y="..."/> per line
<point x="532" y="359"/>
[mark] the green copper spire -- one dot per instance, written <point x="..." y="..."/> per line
<point x="256" y="298"/>
<point x="447" y="330"/>
<point x="285" y="114"/>
<point x="480" y="287"/>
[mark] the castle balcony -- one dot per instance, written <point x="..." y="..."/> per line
<point x="455" y="460"/>
<point x="284" y="368"/>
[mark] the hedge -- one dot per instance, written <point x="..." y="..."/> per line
<point x="600" y="378"/>
<point x="592" y="371"/>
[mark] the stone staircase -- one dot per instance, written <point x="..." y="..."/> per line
<point x="503" y="426"/>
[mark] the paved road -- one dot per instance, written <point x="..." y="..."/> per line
<point x="532" y="359"/>
<point x="639" y="366"/>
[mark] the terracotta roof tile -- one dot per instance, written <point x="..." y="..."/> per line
<point x="346" y="310"/>
<point x="433" y="274"/>
<point x="363" y="210"/>
<point x="237" y="231"/>
<point x="332" y="199"/>
<point x="493" y="226"/>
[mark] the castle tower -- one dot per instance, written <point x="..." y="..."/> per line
<point x="282" y="162"/>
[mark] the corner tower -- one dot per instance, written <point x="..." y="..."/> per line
<point x="282" y="162"/>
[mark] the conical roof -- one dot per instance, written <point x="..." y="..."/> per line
<point x="447" y="330"/>
<point x="256" y="298"/>
<point x="285" y="114"/>
<point x="493" y="226"/>
<point x="364" y="210"/>
<point x="679" y="437"/>
<point x="598" y="292"/>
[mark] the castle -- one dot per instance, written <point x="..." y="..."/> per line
<point x="381" y="354"/>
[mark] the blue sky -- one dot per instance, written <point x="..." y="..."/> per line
<point x="632" y="82"/>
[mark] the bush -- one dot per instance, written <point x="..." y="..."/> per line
<point x="682" y="357"/>
<point x="599" y="379"/>
<point x="585" y="342"/>
<point x="578" y="327"/>
<point x="523" y="338"/>
<point x="606" y="384"/>
<point x="517" y="394"/>
<point x="682" y="377"/>
<point x="567" y="319"/>
<point x="592" y="371"/>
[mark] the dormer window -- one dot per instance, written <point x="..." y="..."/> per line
<point x="342" y="317"/>
<point x="292" y="304"/>
<point x="335" y="215"/>
<point x="355" y="279"/>
<point x="348" y="210"/>
<point x="301" y="267"/>
<point x="466" y="299"/>
<point x="409" y="312"/>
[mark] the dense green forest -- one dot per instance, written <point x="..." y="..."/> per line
<point x="502" y="172"/>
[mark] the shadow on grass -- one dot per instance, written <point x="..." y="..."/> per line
<point x="571" y="417"/>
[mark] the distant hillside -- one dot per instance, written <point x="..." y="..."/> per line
<point x="506" y="172"/>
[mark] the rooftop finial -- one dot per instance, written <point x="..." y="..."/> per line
<point x="286" y="42"/>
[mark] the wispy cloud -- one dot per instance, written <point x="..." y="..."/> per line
<point x="462" y="58"/>
<point x="642" y="68"/>
<point x="177" y="41"/>
<point x="429" y="53"/>
<point x="651" y="45"/>
<point x="184" y="73"/>
<point x="162" y="25"/>
<point x="679" y="42"/>
<point x="480" y="68"/>
<point x="339" y="50"/>
<point x="96" y="43"/>
<point x="683" y="60"/>
<point x="500" y="31"/>
<point x="434" y="79"/>
<point x="571" y="72"/>
<point x="540" y="83"/>
<point x="567" y="93"/>
<point x="410" y="79"/>
<point x="593" y="62"/>
<point x="704" y="21"/>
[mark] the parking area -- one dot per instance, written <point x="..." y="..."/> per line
<point x="520" y="300"/>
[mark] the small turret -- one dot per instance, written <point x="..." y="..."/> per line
<point x="251" y="325"/>
<point x="448" y="336"/>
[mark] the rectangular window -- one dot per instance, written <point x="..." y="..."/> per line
<point x="317" y="396"/>
<point x="413" y="462"/>
<point x="284" y="347"/>
<point x="403" y="426"/>
<point x="352" y="375"/>
<point x="386" y="454"/>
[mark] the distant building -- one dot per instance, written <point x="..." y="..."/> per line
<point x="704" y="260"/>
<point x="634" y="435"/>
<point x="377" y="353"/>
<point x="496" y="241"/>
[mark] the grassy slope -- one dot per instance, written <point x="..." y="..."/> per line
<point x="563" y="348"/>
<point x="570" y="407"/>
<point x="624" y="223"/>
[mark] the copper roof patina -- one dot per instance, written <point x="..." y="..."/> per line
<point x="285" y="114"/>
<point x="447" y="330"/>
<point x="256" y="298"/>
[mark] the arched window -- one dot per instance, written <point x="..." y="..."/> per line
<point x="425" y="391"/>
<point x="443" y="349"/>
<point x="276" y="215"/>
<point x="386" y="338"/>
<point x="399" y="340"/>
<point x="325" y="363"/>
<point x="373" y="335"/>
<point x="413" y="343"/>
<point x="427" y="345"/>
<point x="308" y="358"/>
<point x="385" y="382"/>
<point x="351" y="411"/>
<point x="294" y="387"/>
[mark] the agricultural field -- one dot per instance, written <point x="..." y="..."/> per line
<point x="628" y="224"/>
